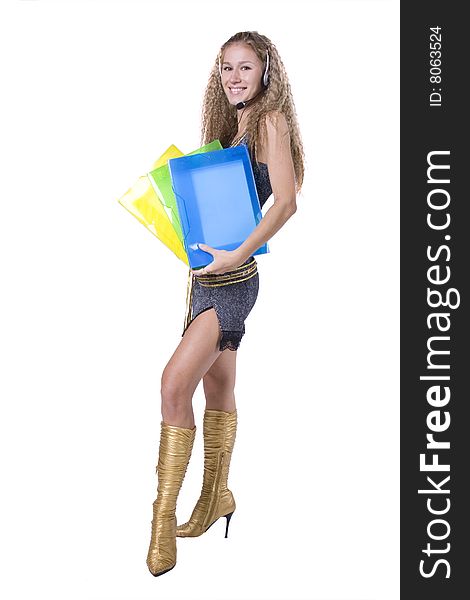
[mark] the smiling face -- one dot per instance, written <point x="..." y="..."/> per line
<point x="242" y="72"/>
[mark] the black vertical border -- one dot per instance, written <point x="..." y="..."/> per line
<point x="425" y="129"/>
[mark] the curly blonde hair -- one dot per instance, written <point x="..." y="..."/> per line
<point x="219" y="117"/>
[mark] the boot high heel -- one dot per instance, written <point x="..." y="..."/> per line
<point x="228" y="517"/>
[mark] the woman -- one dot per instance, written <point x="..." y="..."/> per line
<point x="247" y="100"/>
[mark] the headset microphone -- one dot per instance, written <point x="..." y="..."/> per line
<point x="244" y="103"/>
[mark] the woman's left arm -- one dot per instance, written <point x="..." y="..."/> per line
<point x="282" y="177"/>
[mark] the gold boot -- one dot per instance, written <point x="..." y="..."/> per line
<point x="176" y="444"/>
<point x="216" y="500"/>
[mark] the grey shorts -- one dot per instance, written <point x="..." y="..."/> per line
<point x="232" y="304"/>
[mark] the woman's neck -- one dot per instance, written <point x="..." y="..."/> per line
<point x="242" y="120"/>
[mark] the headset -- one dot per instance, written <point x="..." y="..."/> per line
<point x="241" y="105"/>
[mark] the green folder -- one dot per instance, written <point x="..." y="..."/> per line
<point x="161" y="182"/>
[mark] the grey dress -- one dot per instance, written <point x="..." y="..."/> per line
<point x="232" y="303"/>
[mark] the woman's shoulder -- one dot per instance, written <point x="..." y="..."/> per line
<point x="276" y="122"/>
<point x="275" y="131"/>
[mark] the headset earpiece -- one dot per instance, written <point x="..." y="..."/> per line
<point x="266" y="72"/>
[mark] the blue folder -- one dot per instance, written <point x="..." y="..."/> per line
<point x="217" y="201"/>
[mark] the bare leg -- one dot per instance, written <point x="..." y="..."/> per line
<point x="219" y="382"/>
<point x="195" y="354"/>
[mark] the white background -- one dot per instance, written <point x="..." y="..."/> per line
<point x="93" y="307"/>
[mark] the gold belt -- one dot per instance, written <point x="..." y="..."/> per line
<point x="241" y="273"/>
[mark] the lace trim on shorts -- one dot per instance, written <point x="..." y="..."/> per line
<point x="230" y="340"/>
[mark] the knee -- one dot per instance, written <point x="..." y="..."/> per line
<point x="175" y="393"/>
<point x="218" y="388"/>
